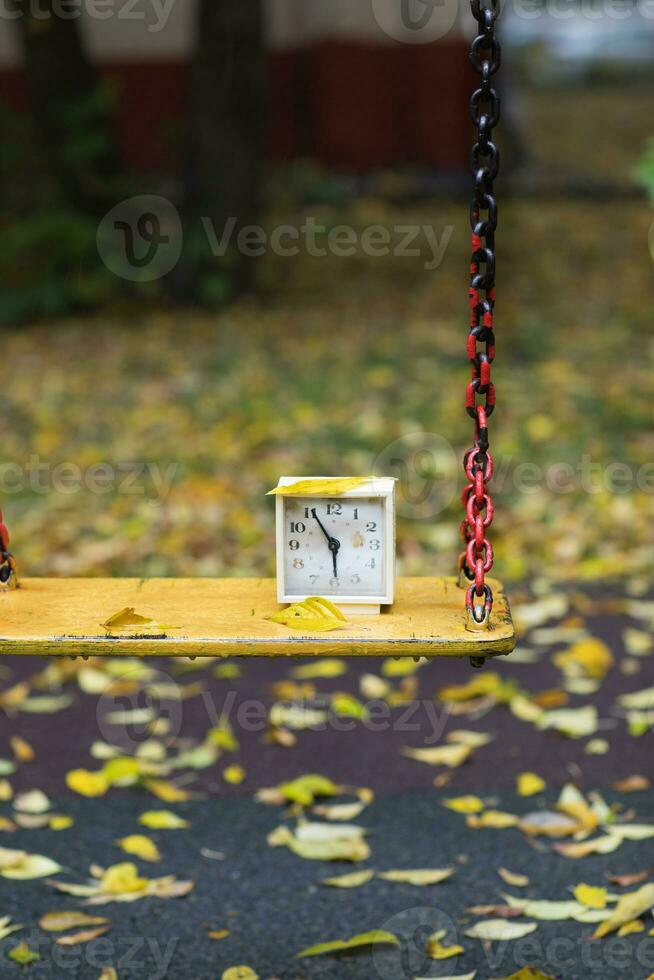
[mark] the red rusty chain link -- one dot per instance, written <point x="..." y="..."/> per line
<point x="7" y="563"/>
<point x="477" y="559"/>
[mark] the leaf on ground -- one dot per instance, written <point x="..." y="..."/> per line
<point x="528" y="973"/>
<point x="354" y="880"/>
<point x="62" y="921"/>
<point x="305" y="789"/>
<point x="451" y="756"/>
<point x="495" y="819"/>
<point x="240" y="973"/>
<point x="629" y="907"/>
<point x="85" y="936"/>
<point x="419" y="877"/>
<point x="34" y="801"/>
<point x="87" y="783"/>
<point x="529" y="784"/>
<point x="475" y="740"/>
<point x="632" y="784"/>
<point x="589" y="657"/>
<point x="162" y="820"/>
<point x="7" y="927"/>
<point x="140" y="846"/>
<point x="234" y="775"/>
<point x="378" y="937"/>
<point x="513" y="879"/>
<point x="166" y="791"/>
<point x="323" y="842"/>
<point x="326" y="668"/>
<point x="23" y="751"/>
<point x="27" y="867"/>
<point x="340" y="811"/>
<point x="23" y="955"/>
<point x="465" y="804"/>
<point x="500" y="930"/>
<point x="437" y="950"/>
<point x="591" y="897"/>
<point x="571" y="722"/>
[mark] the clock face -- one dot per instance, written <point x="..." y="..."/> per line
<point x="335" y="546"/>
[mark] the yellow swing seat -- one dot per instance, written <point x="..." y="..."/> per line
<point x="229" y="617"/>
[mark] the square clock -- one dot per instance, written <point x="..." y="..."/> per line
<point x="341" y="546"/>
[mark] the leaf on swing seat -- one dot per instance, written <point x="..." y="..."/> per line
<point x="128" y="619"/>
<point x="315" y="614"/>
<point x="328" y="487"/>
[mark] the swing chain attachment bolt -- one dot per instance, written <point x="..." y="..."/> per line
<point x="477" y="559"/>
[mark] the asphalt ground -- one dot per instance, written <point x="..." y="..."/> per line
<point x="270" y="900"/>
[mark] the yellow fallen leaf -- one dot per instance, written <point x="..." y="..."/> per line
<point x="629" y="928"/>
<point x="588" y="657"/>
<point x="168" y="792"/>
<point x="218" y="934"/>
<point x="465" y="804"/>
<point x="315" y="614"/>
<point x="377" y="937"/>
<point x="240" y="973"/>
<point x="332" y="486"/>
<point x="34" y="802"/>
<point x="140" y="846"/>
<point x="529" y="784"/>
<point x="234" y="775"/>
<point x="123" y="878"/>
<point x="513" y="879"/>
<point x="86" y="936"/>
<point x="353" y="880"/>
<point x="440" y="755"/>
<point x="592" y="898"/>
<point x="629" y="907"/>
<point x="62" y="921"/>
<point x="437" y="951"/>
<point x="326" y="668"/>
<point x="125" y="618"/>
<point x="162" y="820"/>
<point x="420" y="877"/>
<point x="323" y="842"/>
<point x="495" y="819"/>
<point x="87" y="783"/>
<point x="6" y="791"/>
<point x="22" y="750"/>
<point x="60" y="822"/>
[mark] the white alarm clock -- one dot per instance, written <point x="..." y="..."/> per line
<point x="341" y="546"/>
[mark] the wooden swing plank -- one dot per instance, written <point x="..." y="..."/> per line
<point x="227" y="617"/>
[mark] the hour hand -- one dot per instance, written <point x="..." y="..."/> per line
<point x="334" y="543"/>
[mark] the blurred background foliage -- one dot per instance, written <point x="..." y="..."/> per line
<point x="225" y="377"/>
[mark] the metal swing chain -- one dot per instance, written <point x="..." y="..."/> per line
<point x="7" y="561"/>
<point x="477" y="559"/>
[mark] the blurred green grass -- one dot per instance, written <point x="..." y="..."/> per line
<point x="339" y="359"/>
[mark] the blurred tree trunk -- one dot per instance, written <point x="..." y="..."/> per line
<point x="70" y="114"/>
<point x="225" y="141"/>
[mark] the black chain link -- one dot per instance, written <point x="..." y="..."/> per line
<point x="477" y="560"/>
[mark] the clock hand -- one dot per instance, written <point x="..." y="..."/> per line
<point x="334" y="543"/>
